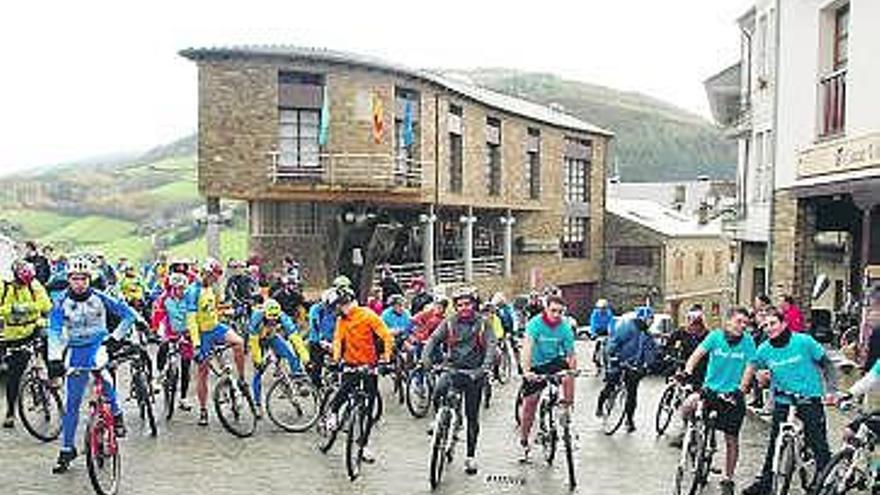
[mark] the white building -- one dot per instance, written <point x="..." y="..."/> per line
<point x="742" y="98"/>
<point x="827" y="177"/>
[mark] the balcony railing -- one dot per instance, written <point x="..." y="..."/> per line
<point x="447" y="271"/>
<point x="832" y="98"/>
<point x="367" y="170"/>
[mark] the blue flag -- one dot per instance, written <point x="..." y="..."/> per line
<point x="408" y="136"/>
<point x="324" y="132"/>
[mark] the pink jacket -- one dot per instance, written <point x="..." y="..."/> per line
<point x="794" y="320"/>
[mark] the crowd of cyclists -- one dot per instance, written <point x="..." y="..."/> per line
<point x="84" y="309"/>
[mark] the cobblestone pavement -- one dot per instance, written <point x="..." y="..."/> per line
<point x="187" y="459"/>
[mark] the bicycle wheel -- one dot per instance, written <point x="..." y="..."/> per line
<point x="145" y="401"/>
<point x="438" y="446"/>
<point x="235" y="408"/>
<point x="835" y="478"/>
<point x="354" y="443"/>
<point x="378" y="408"/>
<point x="103" y="461"/>
<point x="505" y="367"/>
<point x="292" y="404"/>
<point x="547" y="435"/>
<point x="687" y="479"/>
<point x="807" y="470"/>
<point x="615" y="411"/>
<point x="328" y="435"/>
<point x="40" y="408"/>
<point x="665" y="409"/>
<point x="784" y="470"/>
<point x="418" y="393"/>
<point x="569" y="453"/>
<point x="169" y="387"/>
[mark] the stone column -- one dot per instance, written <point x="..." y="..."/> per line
<point x="428" y="245"/>
<point x="468" y="222"/>
<point x="212" y="229"/>
<point x="508" y="222"/>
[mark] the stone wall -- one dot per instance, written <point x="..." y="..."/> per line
<point x="794" y="226"/>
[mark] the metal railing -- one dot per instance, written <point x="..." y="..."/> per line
<point x="447" y="271"/>
<point x="832" y="95"/>
<point x="368" y="170"/>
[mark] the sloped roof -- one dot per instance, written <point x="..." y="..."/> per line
<point x="499" y="101"/>
<point x="662" y="219"/>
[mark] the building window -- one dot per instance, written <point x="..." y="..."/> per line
<point x="284" y="218"/>
<point x="700" y="258"/>
<point x="841" y="37"/>
<point x="533" y="163"/>
<point x="678" y="267"/>
<point x="576" y="170"/>
<point x="717" y="262"/>
<point x="300" y="96"/>
<point x="634" y="256"/>
<point x="763" y="35"/>
<point x="576" y="237"/>
<point x="456" y="158"/>
<point x="759" y="167"/>
<point x="493" y="156"/>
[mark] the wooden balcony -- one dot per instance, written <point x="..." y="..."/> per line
<point x="348" y="171"/>
<point x="832" y="101"/>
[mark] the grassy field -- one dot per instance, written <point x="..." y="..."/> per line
<point x="175" y="192"/>
<point x="92" y="229"/>
<point x="37" y="223"/>
<point x="233" y="243"/>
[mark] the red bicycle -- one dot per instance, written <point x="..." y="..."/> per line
<point x="103" y="458"/>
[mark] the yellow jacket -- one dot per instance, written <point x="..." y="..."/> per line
<point x="23" y="308"/>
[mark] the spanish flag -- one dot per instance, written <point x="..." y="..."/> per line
<point x="378" y="118"/>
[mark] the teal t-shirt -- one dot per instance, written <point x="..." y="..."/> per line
<point x="726" y="364"/>
<point x="793" y="368"/>
<point x="549" y="343"/>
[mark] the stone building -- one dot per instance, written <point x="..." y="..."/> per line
<point x="654" y="252"/>
<point x="347" y="162"/>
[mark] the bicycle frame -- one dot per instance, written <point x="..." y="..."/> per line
<point x="791" y="429"/>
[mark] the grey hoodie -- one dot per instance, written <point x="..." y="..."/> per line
<point x="473" y="343"/>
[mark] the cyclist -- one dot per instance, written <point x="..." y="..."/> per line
<point x="729" y="351"/>
<point x="683" y="342"/>
<point x="792" y="363"/>
<point x="240" y="289"/>
<point x="548" y="348"/>
<point x="470" y="351"/>
<point x="505" y="312"/>
<point x="398" y="320"/>
<point x="426" y="322"/>
<point x="322" y="326"/>
<point x="289" y="296"/>
<point x="271" y="327"/>
<point x="169" y="321"/>
<point x="132" y="287"/>
<point x="630" y="347"/>
<point x="23" y="308"/>
<point x="206" y="330"/>
<point x="389" y="284"/>
<point x="421" y="297"/>
<point x="601" y="319"/>
<point x="78" y="321"/>
<point x="535" y="306"/>
<point x="355" y="344"/>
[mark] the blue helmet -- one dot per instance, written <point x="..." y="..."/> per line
<point x="644" y="313"/>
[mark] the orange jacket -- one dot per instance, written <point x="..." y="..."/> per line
<point x="355" y="338"/>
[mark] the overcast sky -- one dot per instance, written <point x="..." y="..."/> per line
<point x="88" y="78"/>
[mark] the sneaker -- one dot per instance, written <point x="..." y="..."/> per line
<point x="430" y="429"/>
<point x="9" y="422"/>
<point x="470" y="466"/>
<point x="727" y="487"/>
<point x="630" y="427"/>
<point x="65" y="457"/>
<point x="258" y="411"/>
<point x="330" y="422"/>
<point x="184" y="405"/>
<point x="759" y="487"/>
<point x="676" y="441"/>
<point x="367" y="456"/>
<point x="203" y="417"/>
<point x="119" y="426"/>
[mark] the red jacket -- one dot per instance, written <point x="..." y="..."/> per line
<point x="425" y="323"/>
<point x="794" y="320"/>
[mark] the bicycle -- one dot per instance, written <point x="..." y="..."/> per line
<point x="448" y="422"/>
<point x="600" y="359"/>
<point x="292" y="401"/>
<point x="171" y="377"/>
<point x="232" y="400"/>
<point x="791" y="454"/>
<point x="697" y="449"/>
<point x="551" y="422"/>
<point x="419" y="391"/>
<point x="141" y="384"/>
<point x="613" y="410"/>
<point x="851" y="468"/>
<point x="670" y="401"/>
<point x="39" y="403"/>
<point x="103" y="458"/>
